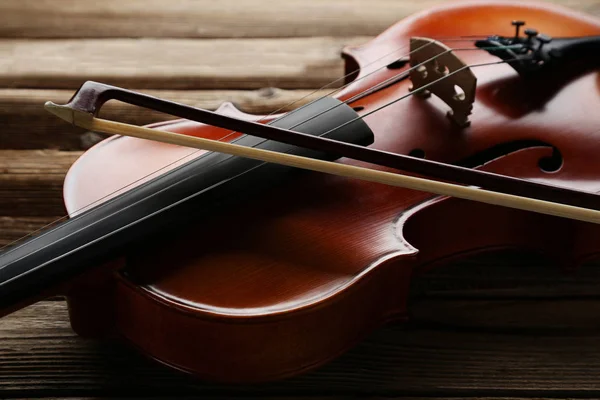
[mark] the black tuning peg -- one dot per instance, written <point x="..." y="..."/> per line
<point x="543" y="39"/>
<point x="530" y="33"/>
<point x="517" y="24"/>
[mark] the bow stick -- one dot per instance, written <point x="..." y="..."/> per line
<point x="89" y="122"/>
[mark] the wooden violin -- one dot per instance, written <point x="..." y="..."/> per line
<point x="238" y="270"/>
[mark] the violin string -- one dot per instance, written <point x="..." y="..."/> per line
<point x="337" y="90"/>
<point x="389" y="81"/>
<point x="273" y="112"/>
<point x="421" y="88"/>
<point x="118" y="190"/>
<point x="229" y="134"/>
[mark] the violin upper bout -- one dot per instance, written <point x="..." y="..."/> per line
<point x="436" y="69"/>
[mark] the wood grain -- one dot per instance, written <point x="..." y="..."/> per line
<point x="39" y="354"/>
<point x="295" y="63"/>
<point x="31" y="182"/>
<point x="502" y="328"/>
<point x="15" y="228"/>
<point x="212" y="19"/>
<point x="25" y="124"/>
<point x="507" y="337"/>
<point x="201" y="19"/>
<point x="509" y="291"/>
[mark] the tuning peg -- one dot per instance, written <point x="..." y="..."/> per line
<point x="530" y="33"/>
<point x="543" y="39"/>
<point x="517" y="24"/>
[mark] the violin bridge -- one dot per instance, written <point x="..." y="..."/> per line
<point x="433" y="63"/>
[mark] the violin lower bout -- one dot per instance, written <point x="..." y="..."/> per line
<point x="242" y="348"/>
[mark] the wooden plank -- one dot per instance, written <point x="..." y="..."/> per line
<point x="16" y="228"/>
<point x="488" y="326"/>
<point x="212" y="19"/>
<point x="174" y="63"/>
<point x="509" y="291"/>
<point x="31" y="182"/>
<point x="526" y="336"/>
<point x="24" y="124"/>
<point x="39" y="355"/>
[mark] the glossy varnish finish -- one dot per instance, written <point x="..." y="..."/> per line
<point x="282" y="283"/>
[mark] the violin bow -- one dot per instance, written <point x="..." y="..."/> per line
<point x="92" y="95"/>
<point x="87" y="120"/>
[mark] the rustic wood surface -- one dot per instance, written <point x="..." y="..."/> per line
<point x="212" y="19"/>
<point x="173" y="63"/>
<point x="496" y="327"/>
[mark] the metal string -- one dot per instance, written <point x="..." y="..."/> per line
<point x="370" y="89"/>
<point x="394" y="79"/>
<point x="424" y="87"/>
<point x="332" y="130"/>
<point x="229" y="134"/>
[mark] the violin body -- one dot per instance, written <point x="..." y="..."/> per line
<point x="281" y="283"/>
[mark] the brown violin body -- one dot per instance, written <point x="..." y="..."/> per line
<point x="283" y="283"/>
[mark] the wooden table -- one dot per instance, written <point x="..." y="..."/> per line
<point x="531" y="332"/>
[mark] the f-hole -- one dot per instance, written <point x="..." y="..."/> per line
<point x="551" y="164"/>
<point x="547" y="164"/>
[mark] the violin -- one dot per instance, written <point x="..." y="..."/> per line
<point x="242" y="269"/>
